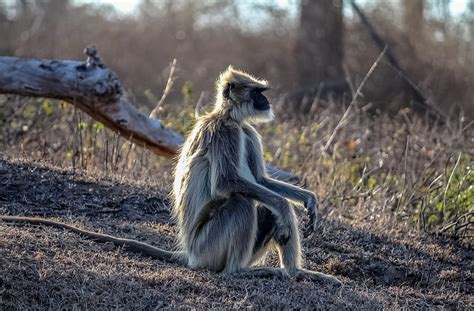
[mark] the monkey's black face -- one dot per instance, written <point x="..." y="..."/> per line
<point x="260" y="102"/>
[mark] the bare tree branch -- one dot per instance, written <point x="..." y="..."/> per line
<point x="169" y="85"/>
<point x="96" y="90"/>
<point x="354" y="99"/>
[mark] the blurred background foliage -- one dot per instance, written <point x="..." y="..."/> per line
<point x="294" y="44"/>
<point x="389" y="163"/>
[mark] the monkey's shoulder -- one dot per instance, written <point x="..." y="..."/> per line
<point x="219" y="129"/>
<point x="211" y="134"/>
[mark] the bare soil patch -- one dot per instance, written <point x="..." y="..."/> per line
<point x="45" y="268"/>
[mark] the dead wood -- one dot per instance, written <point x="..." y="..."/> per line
<point x="91" y="87"/>
<point x="96" y="90"/>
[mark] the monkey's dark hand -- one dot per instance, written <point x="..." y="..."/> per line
<point x="311" y="206"/>
<point x="283" y="231"/>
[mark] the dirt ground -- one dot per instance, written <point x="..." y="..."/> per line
<point x="45" y="268"/>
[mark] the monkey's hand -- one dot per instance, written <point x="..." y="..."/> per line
<point x="283" y="231"/>
<point x="283" y="223"/>
<point x="311" y="206"/>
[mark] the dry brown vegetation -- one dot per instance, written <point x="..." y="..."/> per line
<point x="396" y="190"/>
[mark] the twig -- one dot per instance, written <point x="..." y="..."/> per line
<point x="354" y="99"/>
<point x="456" y="222"/>
<point x="405" y="166"/>
<point x="169" y="85"/>
<point x="449" y="182"/>
<point x="200" y="104"/>
<point x="154" y="112"/>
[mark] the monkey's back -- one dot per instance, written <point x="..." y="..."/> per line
<point x="192" y="188"/>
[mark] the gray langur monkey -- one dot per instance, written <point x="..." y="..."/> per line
<point x="229" y="212"/>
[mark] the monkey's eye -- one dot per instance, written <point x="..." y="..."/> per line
<point x="258" y="90"/>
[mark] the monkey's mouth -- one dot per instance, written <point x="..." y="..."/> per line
<point x="264" y="115"/>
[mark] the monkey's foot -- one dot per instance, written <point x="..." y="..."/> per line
<point x="314" y="276"/>
<point x="263" y="272"/>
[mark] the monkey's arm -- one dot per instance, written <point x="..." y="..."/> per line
<point x="278" y="205"/>
<point x="289" y="191"/>
<point x="130" y="245"/>
<point x="224" y="152"/>
<point x="294" y="193"/>
<point x="257" y="166"/>
<point x="236" y="184"/>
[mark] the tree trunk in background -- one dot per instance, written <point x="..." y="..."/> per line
<point x="5" y="42"/>
<point x="319" y="43"/>
<point x="413" y="20"/>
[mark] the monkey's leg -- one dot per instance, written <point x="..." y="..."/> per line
<point x="225" y="239"/>
<point x="290" y="257"/>
<point x="266" y="227"/>
<point x="295" y="193"/>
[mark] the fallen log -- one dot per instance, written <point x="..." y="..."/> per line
<point x="96" y="90"/>
<point x="91" y="87"/>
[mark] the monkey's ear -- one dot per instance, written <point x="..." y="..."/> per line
<point x="227" y="89"/>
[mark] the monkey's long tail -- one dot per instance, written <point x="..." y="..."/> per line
<point x="128" y="244"/>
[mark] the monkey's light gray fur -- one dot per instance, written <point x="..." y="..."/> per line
<point x="229" y="211"/>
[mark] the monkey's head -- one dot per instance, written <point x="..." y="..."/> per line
<point x="240" y="94"/>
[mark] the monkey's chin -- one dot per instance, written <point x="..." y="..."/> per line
<point x="264" y="116"/>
